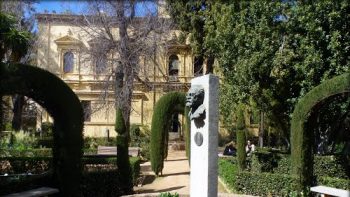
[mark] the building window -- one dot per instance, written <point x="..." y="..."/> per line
<point x="68" y="62"/>
<point x="101" y="64"/>
<point x="87" y="110"/>
<point x="174" y="64"/>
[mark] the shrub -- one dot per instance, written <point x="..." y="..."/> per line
<point x="106" y="182"/>
<point x="45" y="142"/>
<point x="20" y="141"/>
<point x="265" y="184"/>
<point x="336" y="166"/>
<point x="168" y="194"/>
<point x="96" y="181"/>
<point x="270" y="161"/>
<point x="227" y="172"/>
<point x="101" y="183"/>
<point x="334" y="182"/>
<point x="42" y="152"/>
<point x="19" y="165"/>
<point x="135" y="168"/>
<point x="46" y="128"/>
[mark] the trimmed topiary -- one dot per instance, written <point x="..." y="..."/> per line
<point x="123" y="162"/>
<point x="64" y="106"/>
<point x="166" y="106"/>
<point x="302" y="140"/>
<point x="241" y="139"/>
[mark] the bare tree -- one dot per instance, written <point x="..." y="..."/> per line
<point x="128" y="33"/>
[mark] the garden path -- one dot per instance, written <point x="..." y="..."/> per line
<point x="175" y="178"/>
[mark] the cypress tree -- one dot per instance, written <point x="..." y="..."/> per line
<point x="123" y="162"/>
<point x="241" y="139"/>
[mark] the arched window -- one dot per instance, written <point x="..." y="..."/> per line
<point x="174" y="64"/>
<point x="68" y="62"/>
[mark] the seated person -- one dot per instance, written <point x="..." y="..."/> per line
<point x="230" y="150"/>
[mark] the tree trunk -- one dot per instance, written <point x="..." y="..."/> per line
<point x="2" y="126"/>
<point x="123" y="93"/>
<point x="209" y="62"/>
<point x="261" y="130"/>
<point x="17" y="112"/>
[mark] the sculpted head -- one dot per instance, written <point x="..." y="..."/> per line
<point x="195" y="97"/>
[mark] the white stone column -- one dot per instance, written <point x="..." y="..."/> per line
<point x="204" y="141"/>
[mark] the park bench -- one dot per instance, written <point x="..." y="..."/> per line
<point x="330" y="191"/>
<point x="112" y="150"/>
<point x="42" y="191"/>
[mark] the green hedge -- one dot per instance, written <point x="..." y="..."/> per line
<point x="269" y="184"/>
<point x="334" y="182"/>
<point x="101" y="183"/>
<point x="265" y="184"/>
<point x="301" y="138"/>
<point x="227" y="172"/>
<point x="19" y="165"/>
<point x="162" y="114"/>
<point x="96" y="182"/>
<point x="64" y="106"/>
<point x="42" y="152"/>
<point x="336" y="166"/>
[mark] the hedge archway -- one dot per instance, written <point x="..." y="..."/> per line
<point x="162" y="114"/>
<point x="64" y="106"/>
<point x="301" y="139"/>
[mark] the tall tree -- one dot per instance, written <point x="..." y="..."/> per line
<point x="274" y="52"/>
<point x="128" y="31"/>
<point x="190" y="16"/>
<point x="15" y="44"/>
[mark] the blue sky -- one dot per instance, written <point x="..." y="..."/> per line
<point x="60" y="6"/>
<point x="79" y="6"/>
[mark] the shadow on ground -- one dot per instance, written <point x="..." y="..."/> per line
<point x="159" y="191"/>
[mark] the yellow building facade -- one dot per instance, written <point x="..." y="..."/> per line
<point x="61" y="50"/>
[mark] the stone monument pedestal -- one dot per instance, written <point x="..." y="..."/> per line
<point x="204" y="136"/>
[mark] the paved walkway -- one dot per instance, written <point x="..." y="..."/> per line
<point x="175" y="178"/>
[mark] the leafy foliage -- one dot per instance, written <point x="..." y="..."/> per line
<point x="12" y="39"/>
<point x="273" y="52"/>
